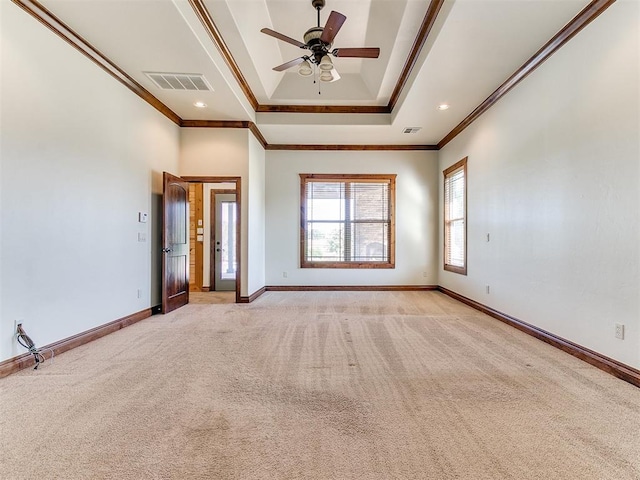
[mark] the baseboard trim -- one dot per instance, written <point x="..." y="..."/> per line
<point x="253" y="296"/>
<point x="354" y="288"/>
<point x="609" y="365"/>
<point x="25" y="360"/>
<point x="331" y="288"/>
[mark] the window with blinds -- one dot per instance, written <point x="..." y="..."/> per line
<point x="347" y="221"/>
<point x="455" y="217"/>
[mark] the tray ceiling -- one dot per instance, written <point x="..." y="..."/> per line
<point x="472" y="48"/>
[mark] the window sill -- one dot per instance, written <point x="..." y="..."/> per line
<point x="347" y="265"/>
<point x="460" y="270"/>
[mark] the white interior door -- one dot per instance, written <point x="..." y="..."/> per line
<point x="225" y="264"/>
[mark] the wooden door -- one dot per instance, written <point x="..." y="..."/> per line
<point x="175" y="243"/>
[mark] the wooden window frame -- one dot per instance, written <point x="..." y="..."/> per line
<point x="461" y="165"/>
<point x="306" y="178"/>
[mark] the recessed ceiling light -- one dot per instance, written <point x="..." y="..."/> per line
<point x="200" y="104"/>
<point x="443" y="106"/>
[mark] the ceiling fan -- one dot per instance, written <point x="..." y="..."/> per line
<point x="319" y="41"/>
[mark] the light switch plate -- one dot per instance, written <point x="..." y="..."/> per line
<point x="142" y="217"/>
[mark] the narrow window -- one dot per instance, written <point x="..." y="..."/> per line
<point x="455" y="217"/>
<point x="347" y="221"/>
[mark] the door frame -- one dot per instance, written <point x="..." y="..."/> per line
<point x="238" y="192"/>
<point x="197" y="247"/>
<point x="212" y="233"/>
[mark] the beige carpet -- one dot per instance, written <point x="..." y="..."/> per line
<point x="310" y="385"/>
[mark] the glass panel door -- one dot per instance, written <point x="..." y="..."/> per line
<point x="225" y="242"/>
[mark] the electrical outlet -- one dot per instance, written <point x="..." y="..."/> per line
<point x="488" y="237"/>
<point x="620" y="331"/>
<point x="488" y="290"/>
<point x="139" y="293"/>
<point x="284" y="274"/>
<point x="424" y="274"/>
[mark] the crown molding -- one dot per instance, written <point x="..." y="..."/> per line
<point x="256" y="132"/>
<point x="429" y="19"/>
<point x="378" y="109"/>
<point x="425" y="29"/>
<point x="209" y="25"/>
<point x="570" y="30"/>
<point x="580" y="21"/>
<point x="49" y="20"/>
<point x="214" y="124"/>
<point x="227" y="124"/>
<point x="367" y="148"/>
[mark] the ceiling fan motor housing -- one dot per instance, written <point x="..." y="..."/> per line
<point x="318" y="47"/>
<point x="312" y="36"/>
<point x="318" y="4"/>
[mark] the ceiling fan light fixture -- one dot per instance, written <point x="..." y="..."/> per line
<point x="319" y="40"/>
<point x="305" y="69"/>
<point x="326" y="76"/>
<point x="325" y="63"/>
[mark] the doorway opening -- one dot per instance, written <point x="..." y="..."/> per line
<point x="212" y="237"/>
<point x="215" y="251"/>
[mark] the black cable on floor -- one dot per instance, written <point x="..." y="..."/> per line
<point x="26" y="342"/>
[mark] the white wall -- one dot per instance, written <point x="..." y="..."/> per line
<point x="81" y="155"/>
<point x="553" y="176"/>
<point x="256" y="212"/>
<point x="416" y="216"/>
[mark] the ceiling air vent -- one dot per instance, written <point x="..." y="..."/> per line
<point x="411" y="129"/>
<point x="179" y="81"/>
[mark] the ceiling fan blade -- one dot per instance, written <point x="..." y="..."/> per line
<point x="290" y="64"/>
<point x="332" y="27"/>
<point x="282" y="37"/>
<point x="365" y="52"/>
<point x="336" y="75"/>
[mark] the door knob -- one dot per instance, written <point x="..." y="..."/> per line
<point x="166" y="250"/>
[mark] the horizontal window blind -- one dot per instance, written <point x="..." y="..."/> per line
<point x="346" y="221"/>
<point x="455" y="218"/>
